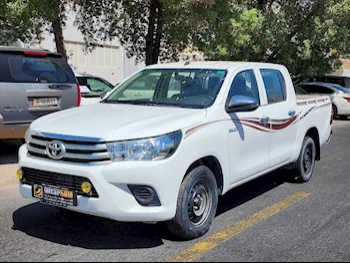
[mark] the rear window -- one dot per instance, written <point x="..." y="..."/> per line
<point x="275" y="85"/>
<point x="23" y="69"/>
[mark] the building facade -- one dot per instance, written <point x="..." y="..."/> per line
<point x="344" y="69"/>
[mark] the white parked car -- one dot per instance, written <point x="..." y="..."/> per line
<point x="171" y="139"/>
<point x="339" y="95"/>
<point x="93" y="88"/>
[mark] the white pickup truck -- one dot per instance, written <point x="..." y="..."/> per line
<point x="169" y="140"/>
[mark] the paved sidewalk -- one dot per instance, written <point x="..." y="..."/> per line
<point x="8" y="175"/>
<point x="8" y="162"/>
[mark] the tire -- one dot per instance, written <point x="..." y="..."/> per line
<point x="191" y="221"/>
<point x="335" y="112"/>
<point x="304" y="167"/>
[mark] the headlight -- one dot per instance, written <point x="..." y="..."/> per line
<point x="152" y="149"/>
<point x="28" y="134"/>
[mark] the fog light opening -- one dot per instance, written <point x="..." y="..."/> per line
<point x="145" y="195"/>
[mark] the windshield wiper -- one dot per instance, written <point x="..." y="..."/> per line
<point x="156" y="103"/>
<point x="133" y="102"/>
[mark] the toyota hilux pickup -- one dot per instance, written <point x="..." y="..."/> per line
<point x="172" y="138"/>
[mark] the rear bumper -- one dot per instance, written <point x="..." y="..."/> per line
<point x="16" y="131"/>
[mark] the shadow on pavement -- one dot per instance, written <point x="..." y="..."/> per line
<point x="9" y="151"/>
<point x="77" y="230"/>
<point x="251" y="190"/>
<point x="88" y="232"/>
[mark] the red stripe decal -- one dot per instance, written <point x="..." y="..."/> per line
<point x="254" y="123"/>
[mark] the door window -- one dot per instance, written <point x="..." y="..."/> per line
<point x="245" y="84"/>
<point x="275" y="85"/>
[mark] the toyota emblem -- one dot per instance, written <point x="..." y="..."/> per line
<point x="56" y="150"/>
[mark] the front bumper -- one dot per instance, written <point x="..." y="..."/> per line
<point x="111" y="183"/>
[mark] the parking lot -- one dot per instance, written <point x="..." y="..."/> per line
<point x="269" y="219"/>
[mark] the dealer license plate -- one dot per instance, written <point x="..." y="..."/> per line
<point x="55" y="196"/>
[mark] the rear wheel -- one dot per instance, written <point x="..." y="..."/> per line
<point x="197" y="204"/>
<point x="335" y="112"/>
<point x="304" y="167"/>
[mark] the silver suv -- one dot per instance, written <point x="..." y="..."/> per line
<point x="33" y="83"/>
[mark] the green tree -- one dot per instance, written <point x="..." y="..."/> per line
<point x="16" y="23"/>
<point x="149" y="29"/>
<point x="52" y="14"/>
<point x="307" y="36"/>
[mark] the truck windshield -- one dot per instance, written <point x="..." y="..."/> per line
<point x="188" y="88"/>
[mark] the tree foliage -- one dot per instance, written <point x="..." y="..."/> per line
<point x="17" y="23"/>
<point x="149" y="29"/>
<point x="52" y="15"/>
<point x="308" y="36"/>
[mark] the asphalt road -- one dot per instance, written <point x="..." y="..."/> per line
<point x="269" y="219"/>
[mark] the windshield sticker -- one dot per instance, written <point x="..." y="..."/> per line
<point x="221" y="72"/>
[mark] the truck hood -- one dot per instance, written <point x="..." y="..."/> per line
<point x="119" y="122"/>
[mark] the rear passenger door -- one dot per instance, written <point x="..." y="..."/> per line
<point x="33" y="84"/>
<point x="282" y="112"/>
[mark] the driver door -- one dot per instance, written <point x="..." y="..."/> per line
<point x="249" y="132"/>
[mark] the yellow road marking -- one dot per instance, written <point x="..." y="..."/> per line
<point x="203" y="247"/>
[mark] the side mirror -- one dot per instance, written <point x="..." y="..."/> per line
<point x="242" y="104"/>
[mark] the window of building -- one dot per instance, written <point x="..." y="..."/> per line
<point x="102" y="57"/>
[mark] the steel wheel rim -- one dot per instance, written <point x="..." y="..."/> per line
<point x="308" y="159"/>
<point x="200" y="203"/>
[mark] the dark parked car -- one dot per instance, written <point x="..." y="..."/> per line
<point x="339" y="80"/>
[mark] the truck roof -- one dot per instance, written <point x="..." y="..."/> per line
<point x="223" y="65"/>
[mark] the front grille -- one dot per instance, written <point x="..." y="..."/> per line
<point x="77" y="151"/>
<point x="73" y="183"/>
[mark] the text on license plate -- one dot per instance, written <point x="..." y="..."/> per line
<point x="55" y="196"/>
<point x="45" y="102"/>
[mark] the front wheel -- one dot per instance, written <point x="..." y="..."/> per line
<point x="304" y="167"/>
<point x="197" y="204"/>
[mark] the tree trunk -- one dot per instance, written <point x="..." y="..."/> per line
<point x="155" y="32"/>
<point x="59" y="39"/>
<point x="159" y="35"/>
<point x="151" y="30"/>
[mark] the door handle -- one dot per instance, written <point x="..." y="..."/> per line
<point x="292" y="113"/>
<point x="265" y="120"/>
